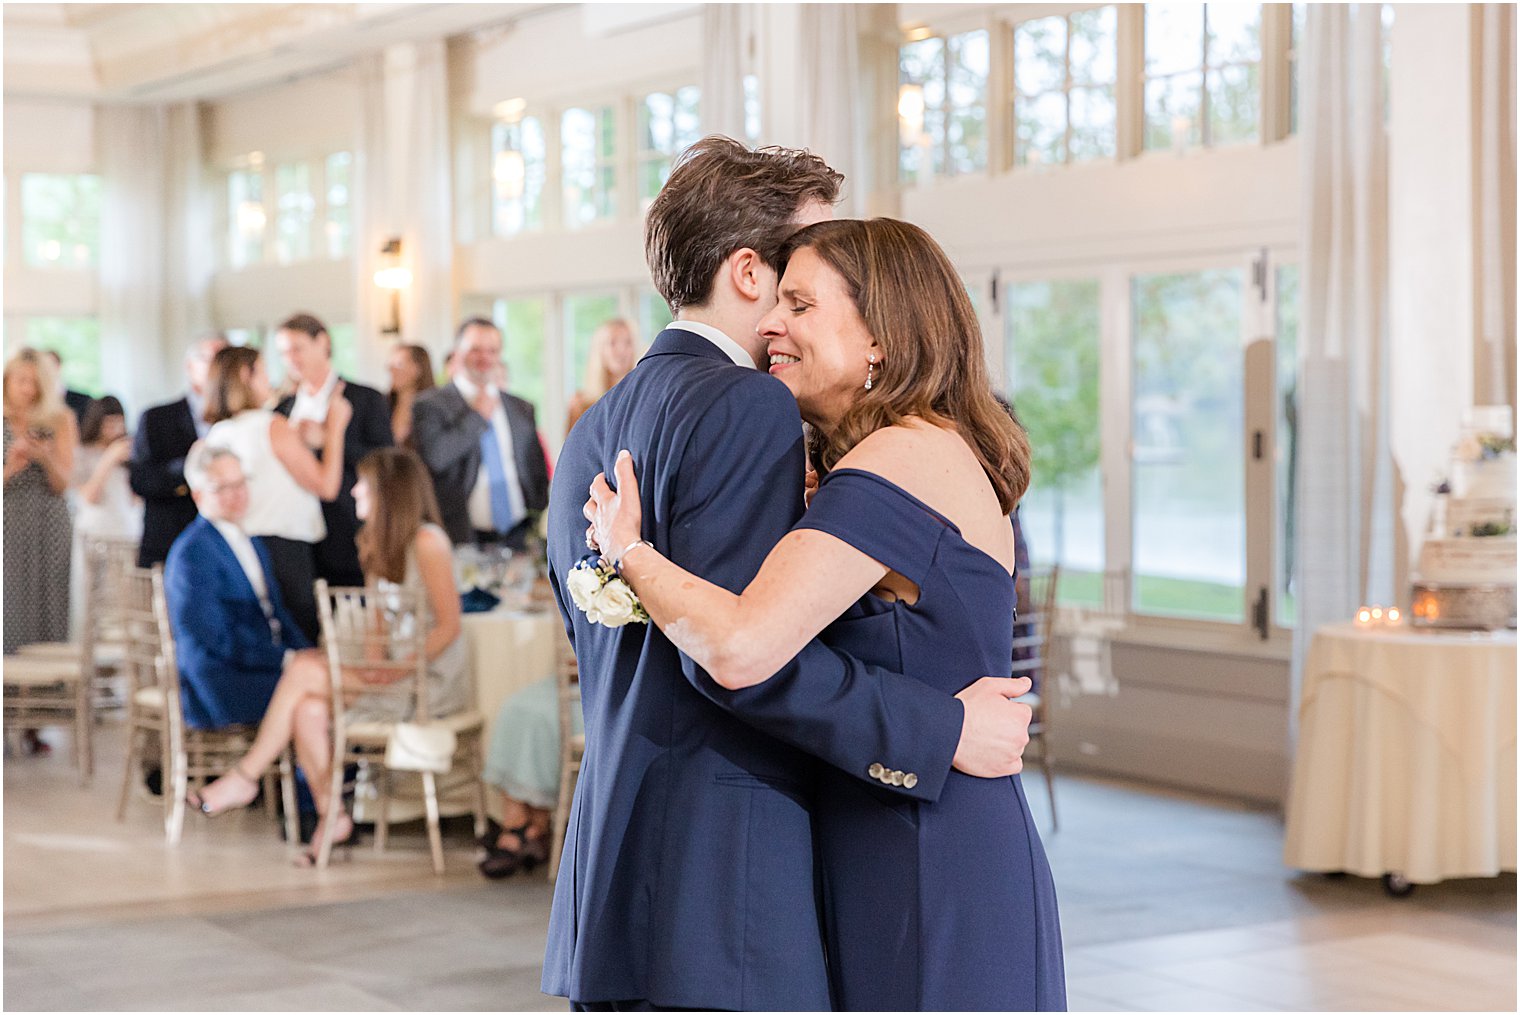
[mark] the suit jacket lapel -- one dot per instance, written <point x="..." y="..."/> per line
<point x="230" y="560"/>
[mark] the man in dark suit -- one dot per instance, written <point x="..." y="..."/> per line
<point x="232" y="632"/>
<point x="306" y="349"/>
<point x="688" y="876"/>
<point x="163" y="439"/>
<point x="77" y="401"/>
<point x="481" y="446"/>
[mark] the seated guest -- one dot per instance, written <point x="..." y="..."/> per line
<point x="401" y="544"/>
<point x="481" y="446"/>
<point x="287" y="482"/>
<point x="164" y="435"/>
<point x="411" y="370"/>
<point x="232" y="632"/>
<point x="523" y="765"/>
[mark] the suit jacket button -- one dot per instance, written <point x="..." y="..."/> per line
<point x="897" y="778"/>
<point x="875" y="771"/>
<point x="910" y="780"/>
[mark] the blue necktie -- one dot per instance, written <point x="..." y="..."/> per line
<point x="502" y="518"/>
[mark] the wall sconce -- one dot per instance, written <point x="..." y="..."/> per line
<point x="394" y="278"/>
<point x="910" y="114"/>
<point x="510" y="175"/>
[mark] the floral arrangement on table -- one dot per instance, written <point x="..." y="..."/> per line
<point x="602" y="595"/>
<point x="1477" y="447"/>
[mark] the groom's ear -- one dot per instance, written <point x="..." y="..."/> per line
<point x="746" y="272"/>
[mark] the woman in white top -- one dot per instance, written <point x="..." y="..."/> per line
<point x="286" y="481"/>
<point x="104" y="504"/>
<point x="402" y="544"/>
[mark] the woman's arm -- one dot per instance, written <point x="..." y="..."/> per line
<point x="807" y="581"/>
<point x="93" y="489"/>
<point x="57" y="458"/>
<point x="435" y="561"/>
<point x="321" y="476"/>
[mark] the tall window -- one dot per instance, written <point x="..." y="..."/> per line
<point x="76" y="340"/>
<point x="1053" y="347"/>
<point x="654" y="315"/>
<point x="296" y="209"/>
<point x="339" y="228"/>
<point x="668" y="122"/>
<point x="583" y="312"/>
<point x="246" y="218"/>
<point x="1202" y="74"/>
<point x="1188" y="434"/>
<point x="519" y="169"/>
<point x="60" y="219"/>
<point x="588" y="145"/>
<point x="752" y="109"/>
<point x="523" y="341"/>
<point x="1065" y="67"/>
<point x="942" y="106"/>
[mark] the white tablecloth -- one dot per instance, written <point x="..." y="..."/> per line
<point x="508" y="651"/>
<point x="1406" y="755"/>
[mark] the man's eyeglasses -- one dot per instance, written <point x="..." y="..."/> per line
<point x="230" y="487"/>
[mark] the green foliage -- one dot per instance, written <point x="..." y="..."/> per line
<point x="60" y="219"/>
<point x="523" y="341"/>
<point x="1053" y="348"/>
<point x="76" y="340"/>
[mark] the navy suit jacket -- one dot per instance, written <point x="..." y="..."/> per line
<point x="688" y="876"/>
<point x="229" y="657"/>
<point x="157" y="473"/>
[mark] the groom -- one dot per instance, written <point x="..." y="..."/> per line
<point x="688" y="877"/>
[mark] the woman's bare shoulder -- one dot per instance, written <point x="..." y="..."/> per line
<point x="913" y="454"/>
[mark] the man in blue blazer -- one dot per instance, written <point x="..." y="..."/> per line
<point x="232" y="632"/>
<point x="688" y="878"/>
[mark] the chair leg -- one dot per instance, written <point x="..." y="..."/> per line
<point x="1048" y="764"/>
<point x="477" y="766"/>
<point x="382" y="809"/>
<point x="84" y="730"/>
<point x="561" y="820"/>
<point x="175" y="804"/>
<point x="288" y="798"/>
<point x="334" y="799"/>
<point x="133" y="740"/>
<point x="435" y="834"/>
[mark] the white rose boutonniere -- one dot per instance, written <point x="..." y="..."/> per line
<point x="601" y="594"/>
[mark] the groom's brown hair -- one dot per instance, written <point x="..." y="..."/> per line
<point x="723" y="197"/>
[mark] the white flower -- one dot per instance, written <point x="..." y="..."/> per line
<point x="584" y="583"/>
<point x="614" y="606"/>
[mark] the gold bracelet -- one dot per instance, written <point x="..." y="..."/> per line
<point x="617" y="565"/>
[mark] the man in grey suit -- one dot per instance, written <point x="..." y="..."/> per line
<point x="481" y="446"/>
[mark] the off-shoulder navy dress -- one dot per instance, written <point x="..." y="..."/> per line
<point x="946" y="905"/>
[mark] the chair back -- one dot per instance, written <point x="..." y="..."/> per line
<point x="567" y="678"/>
<point x="376" y="642"/>
<point x="139" y="601"/>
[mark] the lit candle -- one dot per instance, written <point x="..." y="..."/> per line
<point x="1364" y="616"/>
<point x="1393" y="615"/>
<point x="1377" y="613"/>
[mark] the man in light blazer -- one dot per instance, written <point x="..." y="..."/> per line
<point x="688" y="878"/>
<point x="481" y="446"/>
<point x="232" y="632"/>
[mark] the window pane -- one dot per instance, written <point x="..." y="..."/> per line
<point x="1234" y="33"/>
<point x="522" y="346"/>
<point x="245" y="214"/>
<point x="688" y="117"/>
<point x="1093" y="122"/>
<point x="921" y="74"/>
<point x="1172" y="106"/>
<point x="969" y="67"/>
<point x="752" y="108"/>
<point x="518" y="170"/>
<point x="657" y="122"/>
<point x="1296" y="62"/>
<point x="1188" y="429"/>
<point x="1094" y="46"/>
<point x="1234" y="104"/>
<point x="582" y="314"/>
<point x="1053" y="348"/>
<point x="654" y="315"/>
<point x="588" y="188"/>
<point x="339" y="216"/>
<point x="345" y="351"/>
<point x="1173" y="38"/>
<point x="60" y="219"/>
<point x="652" y="176"/>
<point x="296" y="211"/>
<point x="1041" y="129"/>
<point x="1287" y="441"/>
<point x="76" y="340"/>
<point x="1039" y="55"/>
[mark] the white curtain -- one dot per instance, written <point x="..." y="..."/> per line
<point x="426" y="194"/>
<point x="371" y="214"/>
<point x="833" y="108"/>
<point x="189" y="245"/>
<point x="727" y="42"/>
<point x="1346" y="513"/>
<point x="1494" y="130"/>
<point x="133" y="217"/>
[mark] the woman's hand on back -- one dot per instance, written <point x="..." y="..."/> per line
<point x="616" y="517"/>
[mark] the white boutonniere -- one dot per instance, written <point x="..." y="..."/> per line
<point x="600" y="593"/>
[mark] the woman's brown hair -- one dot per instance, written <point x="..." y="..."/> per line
<point x="422" y="362"/>
<point x="932" y="367"/>
<point x="401" y="492"/>
<point x="228" y="391"/>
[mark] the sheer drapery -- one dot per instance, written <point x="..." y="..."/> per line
<point x="189" y="249"/>
<point x="1346" y="509"/>
<point x="833" y="112"/>
<point x="1494" y="132"/>
<point x="727" y="41"/>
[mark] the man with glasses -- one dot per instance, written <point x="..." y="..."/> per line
<point x="232" y="632"/>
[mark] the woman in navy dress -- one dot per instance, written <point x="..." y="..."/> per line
<point x="904" y="559"/>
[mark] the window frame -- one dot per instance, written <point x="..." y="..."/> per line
<point x="1009" y="30"/>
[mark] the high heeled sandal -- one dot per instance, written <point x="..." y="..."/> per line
<point x="503" y="861"/>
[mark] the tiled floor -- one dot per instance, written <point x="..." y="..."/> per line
<point x="1168" y="902"/>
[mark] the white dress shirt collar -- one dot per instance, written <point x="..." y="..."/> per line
<point x="242" y="548"/>
<point x="468" y="389"/>
<point x="198" y="413"/>
<point x="733" y="350"/>
<point x="314" y="406"/>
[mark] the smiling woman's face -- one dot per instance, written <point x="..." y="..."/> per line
<point x="817" y="341"/>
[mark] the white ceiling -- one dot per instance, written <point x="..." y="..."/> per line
<point x="172" y="52"/>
